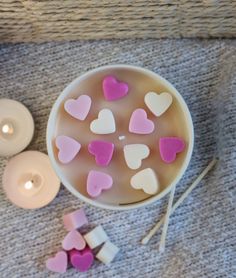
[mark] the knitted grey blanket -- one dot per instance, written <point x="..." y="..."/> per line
<point x="201" y="239"/>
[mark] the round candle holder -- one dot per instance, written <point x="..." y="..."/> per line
<point x="176" y="121"/>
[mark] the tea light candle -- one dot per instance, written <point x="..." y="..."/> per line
<point x="16" y="127"/>
<point x="30" y="181"/>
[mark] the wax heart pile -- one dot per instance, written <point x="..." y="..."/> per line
<point x="80" y="255"/>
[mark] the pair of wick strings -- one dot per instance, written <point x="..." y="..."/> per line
<point x="171" y="209"/>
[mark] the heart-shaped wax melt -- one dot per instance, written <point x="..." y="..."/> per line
<point x="169" y="147"/>
<point x="81" y="260"/>
<point x="104" y="124"/>
<point x="73" y="240"/>
<point x="113" y="89"/>
<point x="68" y="148"/>
<point x="98" y="181"/>
<point x="58" y="263"/>
<point x="158" y="104"/>
<point x="134" y="154"/>
<point x="78" y="108"/>
<point x="139" y="123"/>
<point x="102" y="150"/>
<point x="146" y="180"/>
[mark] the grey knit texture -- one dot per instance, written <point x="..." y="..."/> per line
<point x="201" y="239"/>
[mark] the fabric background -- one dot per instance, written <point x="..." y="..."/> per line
<point x="202" y="233"/>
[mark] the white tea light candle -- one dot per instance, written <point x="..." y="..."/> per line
<point x="16" y="127"/>
<point x="30" y="181"/>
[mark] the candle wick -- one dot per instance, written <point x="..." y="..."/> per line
<point x="7" y="129"/>
<point x="29" y="185"/>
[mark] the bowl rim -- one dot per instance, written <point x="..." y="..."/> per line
<point x="52" y="122"/>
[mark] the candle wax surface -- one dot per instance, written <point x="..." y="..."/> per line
<point x="172" y="123"/>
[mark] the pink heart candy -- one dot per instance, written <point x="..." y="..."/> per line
<point x="58" y="263"/>
<point x="78" y="108"/>
<point x="113" y="89"/>
<point x="169" y="147"/>
<point x="73" y="240"/>
<point x="81" y="260"/>
<point x="68" y="148"/>
<point x="102" y="150"/>
<point x="98" y="181"/>
<point x="139" y="123"/>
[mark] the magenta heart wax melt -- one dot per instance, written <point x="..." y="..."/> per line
<point x="81" y="260"/>
<point x="102" y="150"/>
<point x="169" y="147"/>
<point x="113" y="89"/>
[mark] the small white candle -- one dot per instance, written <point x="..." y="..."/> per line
<point x="16" y="127"/>
<point x="30" y="181"/>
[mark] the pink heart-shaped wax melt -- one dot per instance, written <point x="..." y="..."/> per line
<point x="58" y="263"/>
<point x="113" y="89"/>
<point x="73" y="240"/>
<point x="81" y="260"/>
<point x="98" y="181"/>
<point x="139" y="123"/>
<point x="78" y="108"/>
<point x="68" y="148"/>
<point x="102" y="150"/>
<point x="169" y="147"/>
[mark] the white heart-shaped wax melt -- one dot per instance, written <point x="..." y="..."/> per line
<point x="104" y="124"/>
<point x="146" y="180"/>
<point x="134" y="154"/>
<point x="158" y="104"/>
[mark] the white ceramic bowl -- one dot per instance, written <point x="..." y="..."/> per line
<point x="69" y="92"/>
